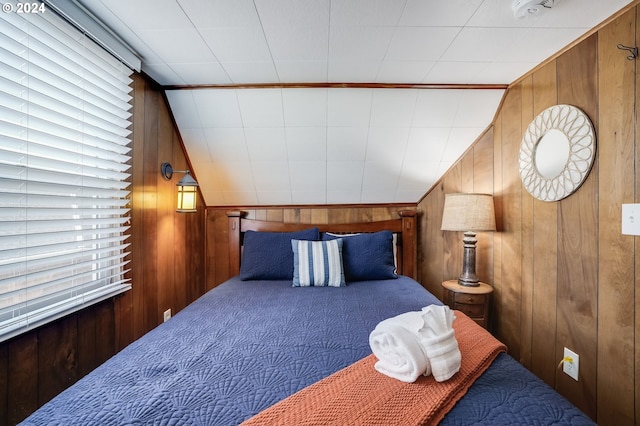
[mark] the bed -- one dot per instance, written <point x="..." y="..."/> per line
<point x="256" y="341"/>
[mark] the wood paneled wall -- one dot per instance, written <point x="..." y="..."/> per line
<point x="218" y="228"/>
<point x="167" y="271"/>
<point x="168" y="248"/>
<point x="563" y="274"/>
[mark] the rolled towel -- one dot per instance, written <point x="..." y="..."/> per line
<point x="439" y="341"/>
<point x="395" y="342"/>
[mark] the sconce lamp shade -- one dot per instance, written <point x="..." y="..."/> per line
<point x="187" y="194"/>
<point x="187" y="189"/>
<point x="468" y="213"/>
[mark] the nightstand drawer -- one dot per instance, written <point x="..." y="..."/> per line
<point x="473" y="311"/>
<point x="470" y="299"/>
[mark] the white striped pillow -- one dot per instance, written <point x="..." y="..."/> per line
<point x="317" y="263"/>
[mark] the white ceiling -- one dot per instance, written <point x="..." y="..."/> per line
<point x="326" y="145"/>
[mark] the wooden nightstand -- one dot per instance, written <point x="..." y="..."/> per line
<point x="473" y="301"/>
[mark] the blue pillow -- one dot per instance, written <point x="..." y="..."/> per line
<point x="367" y="256"/>
<point x="317" y="263"/>
<point x="268" y="255"/>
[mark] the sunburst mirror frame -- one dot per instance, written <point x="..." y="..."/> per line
<point x="580" y="137"/>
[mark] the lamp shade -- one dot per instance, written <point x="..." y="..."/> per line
<point x="468" y="212"/>
<point x="187" y="194"/>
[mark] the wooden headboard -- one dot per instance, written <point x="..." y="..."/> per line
<point x="404" y="227"/>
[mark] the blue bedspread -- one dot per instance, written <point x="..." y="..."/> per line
<point x="247" y="344"/>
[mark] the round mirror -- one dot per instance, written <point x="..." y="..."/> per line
<point x="556" y="152"/>
<point x="552" y="153"/>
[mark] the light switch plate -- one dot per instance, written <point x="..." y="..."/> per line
<point x="631" y="219"/>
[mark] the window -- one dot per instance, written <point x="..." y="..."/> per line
<point x="64" y="162"/>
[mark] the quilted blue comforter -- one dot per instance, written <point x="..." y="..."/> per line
<point x="247" y="344"/>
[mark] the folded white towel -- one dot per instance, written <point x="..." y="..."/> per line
<point x="439" y="341"/>
<point x="416" y="343"/>
<point x="395" y="342"/>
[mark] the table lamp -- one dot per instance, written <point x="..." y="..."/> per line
<point x="468" y="213"/>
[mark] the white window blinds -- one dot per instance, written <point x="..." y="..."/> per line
<point x="64" y="161"/>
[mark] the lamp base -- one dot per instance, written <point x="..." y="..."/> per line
<point x="468" y="277"/>
<point x="473" y="283"/>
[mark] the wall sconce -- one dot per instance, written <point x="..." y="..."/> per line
<point x="187" y="189"/>
<point x="468" y="213"/>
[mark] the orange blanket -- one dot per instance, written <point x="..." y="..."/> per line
<point x="359" y="395"/>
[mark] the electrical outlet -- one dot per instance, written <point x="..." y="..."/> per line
<point x="572" y="367"/>
<point x="167" y="314"/>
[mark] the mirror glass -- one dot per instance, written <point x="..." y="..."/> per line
<point x="551" y="153"/>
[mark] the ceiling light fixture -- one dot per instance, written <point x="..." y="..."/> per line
<point x="524" y="8"/>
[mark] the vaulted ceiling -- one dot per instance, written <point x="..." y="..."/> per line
<point x="284" y="102"/>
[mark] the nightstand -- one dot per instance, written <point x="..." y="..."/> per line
<point x="473" y="301"/>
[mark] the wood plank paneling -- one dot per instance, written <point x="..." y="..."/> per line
<point x="319" y="216"/>
<point x="499" y="208"/>
<point x="578" y="281"/>
<point x="152" y="191"/>
<point x="181" y="246"/>
<point x="220" y="229"/>
<point x="616" y="329"/>
<point x="22" y="382"/>
<point x="170" y="246"/>
<point x="96" y="336"/>
<point x="526" y="295"/>
<point x="483" y="183"/>
<point x="431" y="253"/>
<point x="164" y="241"/>
<point x="4" y="378"/>
<point x="483" y="164"/>
<point x="636" y="251"/>
<point x="467" y="171"/>
<point x="129" y="325"/>
<point x="545" y="249"/>
<point x="188" y="269"/>
<point x="453" y="248"/>
<point x="510" y="194"/>
<point x="57" y="357"/>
